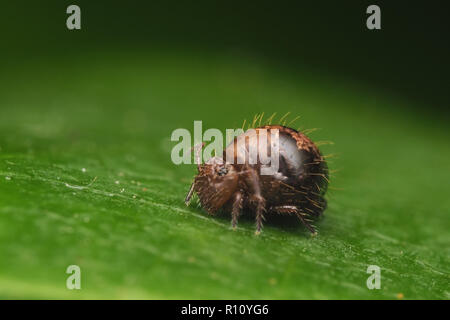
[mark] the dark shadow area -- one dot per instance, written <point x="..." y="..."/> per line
<point x="408" y="56"/>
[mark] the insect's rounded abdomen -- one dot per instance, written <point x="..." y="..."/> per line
<point x="301" y="177"/>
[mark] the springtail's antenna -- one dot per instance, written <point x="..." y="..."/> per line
<point x="198" y="148"/>
<point x="187" y="200"/>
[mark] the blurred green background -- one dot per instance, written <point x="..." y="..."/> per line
<point x="85" y="171"/>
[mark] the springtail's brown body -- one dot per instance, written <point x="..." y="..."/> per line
<point x="297" y="187"/>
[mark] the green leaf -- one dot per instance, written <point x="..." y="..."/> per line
<point x="86" y="178"/>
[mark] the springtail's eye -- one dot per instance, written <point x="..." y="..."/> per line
<point x="222" y="171"/>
